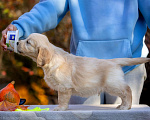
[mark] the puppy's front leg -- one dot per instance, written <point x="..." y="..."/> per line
<point x="63" y="100"/>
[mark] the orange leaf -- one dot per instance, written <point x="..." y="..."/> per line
<point x="22" y="107"/>
<point x="8" y="106"/>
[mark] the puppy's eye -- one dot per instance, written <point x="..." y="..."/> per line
<point x="28" y="42"/>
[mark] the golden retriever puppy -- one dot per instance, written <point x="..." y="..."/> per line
<point x="74" y="75"/>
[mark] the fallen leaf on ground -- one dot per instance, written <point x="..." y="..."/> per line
<point x="34" y="109"/>
<point x="8" y="106"/>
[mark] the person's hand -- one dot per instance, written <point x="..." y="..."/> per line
<point x="4" y="35"/>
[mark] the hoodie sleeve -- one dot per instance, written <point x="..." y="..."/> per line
<point x="44" y="16"/>
<point x="144" y="7"/>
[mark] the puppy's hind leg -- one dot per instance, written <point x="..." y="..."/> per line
<point x="124" y="93"/>
<point x="126" y="98"/>
<point x="118" y="87"/>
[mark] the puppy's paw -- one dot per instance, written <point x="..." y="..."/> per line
<point x="122" y="107"/>
<point x="60" y="108"/>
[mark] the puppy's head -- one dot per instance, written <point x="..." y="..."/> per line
<point x="37" y="47"/>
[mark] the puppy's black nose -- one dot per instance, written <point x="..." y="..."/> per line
<point x="17" y="43"/>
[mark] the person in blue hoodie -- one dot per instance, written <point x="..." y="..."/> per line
<point x="103" y="29"/>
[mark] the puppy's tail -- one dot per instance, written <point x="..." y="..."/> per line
<point x="130" y="61"/>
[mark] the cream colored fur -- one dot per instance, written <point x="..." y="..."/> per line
<point x="81" y="76"/>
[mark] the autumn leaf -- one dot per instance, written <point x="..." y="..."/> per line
<point x="22" y="107"/>
<point x="8" y="106"/>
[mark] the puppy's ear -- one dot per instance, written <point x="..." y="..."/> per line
<point x="43" y="57"/>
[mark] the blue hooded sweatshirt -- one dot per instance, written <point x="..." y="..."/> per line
<point x="104" y="29"/>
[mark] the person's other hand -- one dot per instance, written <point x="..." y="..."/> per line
<point x="4" y="35"/>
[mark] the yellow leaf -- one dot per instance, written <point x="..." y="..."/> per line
<point x="5" y="11"/>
